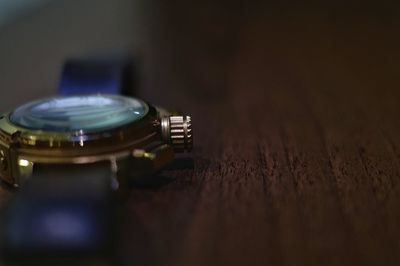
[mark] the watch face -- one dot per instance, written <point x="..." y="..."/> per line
<point x="89" y="113"/>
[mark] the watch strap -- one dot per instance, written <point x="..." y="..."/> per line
<point x="62" y="209"/>
<point x="97" y="75"/>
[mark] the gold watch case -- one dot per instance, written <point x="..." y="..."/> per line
<point x="144" y="143"/>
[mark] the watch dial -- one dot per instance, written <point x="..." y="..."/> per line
<point x="75" y="113"/>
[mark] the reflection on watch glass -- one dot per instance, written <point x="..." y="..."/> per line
<point x="74" y="113"/>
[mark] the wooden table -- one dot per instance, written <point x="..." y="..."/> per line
<point x="297" y="148"/>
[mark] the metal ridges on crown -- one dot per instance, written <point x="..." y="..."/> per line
<point x="177" y="130"/>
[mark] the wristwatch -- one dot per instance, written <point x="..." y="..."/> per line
<point x="80" y="127"/>
<point x="72" y="151"/>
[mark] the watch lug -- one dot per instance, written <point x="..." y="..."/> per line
<point x="6" y="165"/>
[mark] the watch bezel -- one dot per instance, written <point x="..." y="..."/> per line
<point x="51" y="141"/>
<point x="39" y="146"/>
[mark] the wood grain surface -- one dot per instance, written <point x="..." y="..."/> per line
<point x="296" y="127"/>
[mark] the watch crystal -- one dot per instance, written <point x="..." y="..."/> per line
<point x="86" y="113"/>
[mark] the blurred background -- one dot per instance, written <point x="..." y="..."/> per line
<point x="37" y="36"/>
<point x="181" y="44"/>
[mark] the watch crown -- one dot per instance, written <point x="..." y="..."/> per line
<point x="177" y="131"/>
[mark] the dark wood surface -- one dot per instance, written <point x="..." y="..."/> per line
<point x="297" y="147"/>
